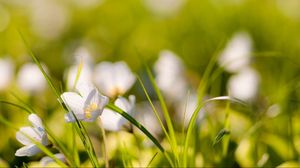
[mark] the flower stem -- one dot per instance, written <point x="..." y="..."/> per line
<point x="104" y="143"/>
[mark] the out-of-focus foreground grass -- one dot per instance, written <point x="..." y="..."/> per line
<point x="264" y="133"/>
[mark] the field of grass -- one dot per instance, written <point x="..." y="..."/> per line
<point x="150" y="83"/>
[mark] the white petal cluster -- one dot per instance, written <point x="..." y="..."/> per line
<point x="113" y="121"/>
<point x="47" y="160"/>
<point x="237" y="52"/>
<point x="113" y="79"/>
<point x="244" y="85"/>
<point x="6" y="73"/>
<point x="170" y="78"/>
<point x="235" y="58"/>
<point x="28" y="135"/>
<point x="83" y="68"/>
<point x="86" y="104"/>
<point x="49" y="19"/>
<point x="31" y="79"/>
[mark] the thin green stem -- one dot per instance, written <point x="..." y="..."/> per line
<point x="142" y="128"/>
<point x="104" y="143"/>
<point x="166" y="115"/>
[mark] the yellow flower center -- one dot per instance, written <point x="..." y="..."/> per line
<point x="89" y="109"/>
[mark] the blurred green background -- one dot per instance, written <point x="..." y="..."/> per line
<point x="193" y="29"/>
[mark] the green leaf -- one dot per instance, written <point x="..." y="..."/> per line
<point x="220" y="136"/>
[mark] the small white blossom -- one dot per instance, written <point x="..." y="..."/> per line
<point x="37" y="133"/>
<point x="147" y="117"/>
<point x="237" y="52"/>
<point x="47" y="160"/>
<point x="113" y="121"/>
<point x="45" y="13"/>
<point x="244" y="85"/>
<point x="113" y="79"/>
<point x="186" y="108"/>
<point x="87" y="105"/>
<point x="170" y="78"/>
<point x="31" y="79"/>
<point x="83" y="68"/>
<point x="6" y="73"/>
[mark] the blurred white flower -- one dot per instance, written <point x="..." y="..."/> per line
<point x="31" y="79"/>
<point x="37" y="133"/>
<point x="84" y="63"/>
<point x="47" y="160"/>
<point x="85" y="75"/>
<point x="244" y="85"/>
<point x="49" y="19"/>
<point x="170" y="78"/>
<point x="237" y="53"/>
<point x="186" y="108"/>
<point x="113" y="79"/>
<point x="147" y="117"/>
<point x="113" y="121"/>
<point x="6" y="72"/>
<point x="82" y="54"/>
<point x="164" y="7"/>
<point x="86" y="105"/>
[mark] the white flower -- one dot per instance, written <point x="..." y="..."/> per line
<point x="47" y="160"/>
<point x="113" y="121"/>
<point x="6" y="73"/>
<point x="84" y="76"/>
<point x="147" y="117"/>
<point x="84" y="63"/>
<point x="31" y="79"/>
<point x="37" y="133"/>
<point x="170" y="78"/>
<point x="186" y="108"/>
<point x="87" y="105"/>
<point x="113" y="79"/>
<point x="244" y="84"/>
<point x="237" y="53"/>
<point x="45" y="13"/>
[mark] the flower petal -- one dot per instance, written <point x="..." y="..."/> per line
<point x="28" y="150"/>
<point x="27" y="131"/>
<point x="126" y="105"/>
<point x="111" y="120"/>
<point x="84" y="88"/>
<point x="100" y="100"/>
<point x="74" y="102"/>
<point x="124" y="78"/>
<point x="36" y="122"/>
<point x="105" y="78"/>
<point x="46" y="160"/>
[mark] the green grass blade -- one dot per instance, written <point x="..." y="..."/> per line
<point x="79" y="127"/>
<point x="166" y="115"/>
<point x="153" y="157"/>
<point x="193" y="122"/>
<point x="37" y="62"/>
<point x="38" y="144"/>
<point x="142" y="128"/>
<point x="154" y="109"/>
<point x="220" y="136"/>
<point x="137" y="124"/>
<point x="29" y="111"/>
